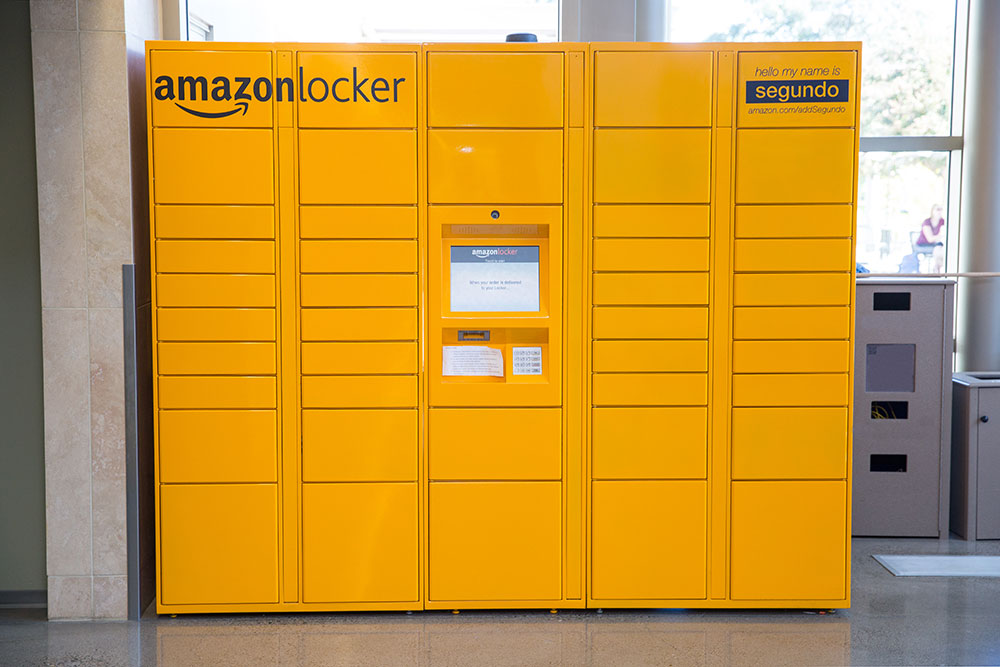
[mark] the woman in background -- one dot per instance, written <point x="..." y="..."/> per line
<point x="931" y="239"/>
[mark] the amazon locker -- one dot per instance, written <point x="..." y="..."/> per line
<point x="502" y="326"/>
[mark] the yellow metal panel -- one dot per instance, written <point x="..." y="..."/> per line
<point x="650" y="443"/>
<point x="674" y="322"/>
<point x="791" y="356"/>
<point x="366" y="222"/>
<point x="212" y="166"/>
<point x="789" y="322"/>
<point x="640" y="289"/>
<point x="476" y="444"/>
<point x="789" y="541"/>
<point x="216" y="358"/>
<point x="239" y="291"/>
<point x="649" y="540"/>
<point x="653" y="88"/>
<point x="353" y="358"/>
<point x="651" y="255"/>
<point x="817" y="220"/>
<point x="650" y="389"/>
<point x="501" y="166"/>
<point x="215" y="256"/>
<point x="650" y="355"/>
<point x="641" y="220"/>
<point x="724" y="90"/>
<point x="576" y="85"/>
<point x="789" y="443"/>
<point x="652" y="166"/>
<point x="358" y="166"/>
<point x="214" y="222"/>
<point x="800" y="289"/>
<point x="495" y="90"/>
<point x="776" y="255"/>
<point x="358" y="256"/>
<point x="359" y="445"/>
<point x="345" y="89"/>
<point x="495" y="541"/>
<point x="721" y="377"/>
<point x="574" y="399"/>
<point x="290" y="588"/>
<point x="215" y="324"/>
<point x="218" y="446"/>
<point x="359" y="290"/>
<point x="359" y="391"/>
<point x="795" y="89"/>
<point x="464" y="219"/>
<point x="359" y="542"/>
<point x="187" y="85"/>
<point x="795" y="166"/>
<point x="218" y="543"/>
<point x="217" y="392"/>
<point x="284" y="65"/>
<point x="791" y="390"/>
<point x="359" y="324"/>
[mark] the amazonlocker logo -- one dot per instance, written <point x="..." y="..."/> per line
<point x="189" y="92"/>
<point x="484" y="253"/>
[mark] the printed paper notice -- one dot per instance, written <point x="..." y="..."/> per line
<point x="493" y="279"/>
<point x="527" y="360"/>
<point x="471" y="360"/>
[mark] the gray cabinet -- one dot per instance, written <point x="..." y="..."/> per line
<point x="975" y="456"/>
<point x="902" y="406"/>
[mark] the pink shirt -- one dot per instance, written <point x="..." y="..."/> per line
<point x="935" y="228"/>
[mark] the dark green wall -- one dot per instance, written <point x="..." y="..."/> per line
<point x="22" y="471"/>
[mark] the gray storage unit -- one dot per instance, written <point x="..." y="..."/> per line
<point x="902" y="406"/>
<point x="975" y="456"/>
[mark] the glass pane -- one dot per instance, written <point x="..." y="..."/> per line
<point x="906" y="57"/>
<point x="375" y="20"/>
<point x="902" y="198"/>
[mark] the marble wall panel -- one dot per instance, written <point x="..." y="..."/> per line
<point x="66" y="386"/>
<point x="59" y="157"/>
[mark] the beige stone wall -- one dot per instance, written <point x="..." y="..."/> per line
<point x="85" y="196"/>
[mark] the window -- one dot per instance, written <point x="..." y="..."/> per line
<point x="896" y="193"/>
<point x="911" y="132"/>
<point x="910" y="145"/>
<point x="377" y="20"/>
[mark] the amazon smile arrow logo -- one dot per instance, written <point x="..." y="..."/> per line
<point x="218" y="114"/>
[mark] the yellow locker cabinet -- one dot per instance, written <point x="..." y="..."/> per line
<point x="502" y="325"/>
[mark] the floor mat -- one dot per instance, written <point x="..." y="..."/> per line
<point x="941" y="566"/>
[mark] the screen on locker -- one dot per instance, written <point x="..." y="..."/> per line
<point x="494" y="279"/>
<point x="495" y="306"/>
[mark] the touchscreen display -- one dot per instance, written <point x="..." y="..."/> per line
<point x="494" y="279"/>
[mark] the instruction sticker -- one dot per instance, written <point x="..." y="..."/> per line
<point x="797" y="89"/>
<point x="527" y="360"/>
<point x="494" y="279"/>
<point x="472" y="360"/>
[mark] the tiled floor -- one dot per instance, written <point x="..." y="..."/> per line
<point x="893" y="621"/>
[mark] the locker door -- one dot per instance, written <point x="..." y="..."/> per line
<point x="988" y="481"/>
<point x="220" y="545"/>
<point x="649" y="539"/>
<point x="359" y="542"/>
<point x="789" y="540"/>
<point x="495" y="541"/>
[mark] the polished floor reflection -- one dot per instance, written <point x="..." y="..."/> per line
<point x="893" y="621"/>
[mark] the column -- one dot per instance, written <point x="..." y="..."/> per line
<point x="979" y="312"/>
